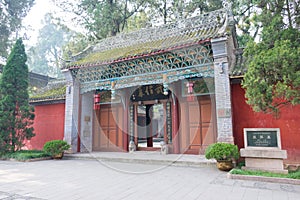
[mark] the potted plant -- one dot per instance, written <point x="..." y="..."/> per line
<point x="224" y="153"/>
<point x="56" y="148"/>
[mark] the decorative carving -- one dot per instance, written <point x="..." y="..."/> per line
<point x="178" y="64"/>
<point x="163" y="148"/>
<point x="152" y="40"/>
<point x="227" y="5"/>
<point x="132" y="147"/>
<point x="142" y="57"/>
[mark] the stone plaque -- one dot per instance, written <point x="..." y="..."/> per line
<point x="262" y="138"/>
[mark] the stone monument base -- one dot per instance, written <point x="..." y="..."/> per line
<point x="263" y="159"/>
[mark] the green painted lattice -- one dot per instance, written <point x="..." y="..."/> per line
<point x="180" y="64"/>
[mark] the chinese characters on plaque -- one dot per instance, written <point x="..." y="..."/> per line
<point x="262" y="138"/>
<point x="148" y="92"/>
<point x="169" y="122"/>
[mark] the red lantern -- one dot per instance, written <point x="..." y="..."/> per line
<point x="190" y="88"/>
<point x="96" y="101"/>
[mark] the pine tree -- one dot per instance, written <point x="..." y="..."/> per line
<point x="272" y="79"/>
<point x="16" y="116"/>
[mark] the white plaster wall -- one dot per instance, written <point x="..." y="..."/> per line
<point x="86" y="129"/>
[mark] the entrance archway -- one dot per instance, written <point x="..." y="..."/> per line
<point x="150" y="122"/>
<point x="149" y="117"/>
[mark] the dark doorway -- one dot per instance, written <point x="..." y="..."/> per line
<point x="150" y="122"/>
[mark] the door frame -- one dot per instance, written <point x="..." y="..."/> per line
<point x="135" y="116"/>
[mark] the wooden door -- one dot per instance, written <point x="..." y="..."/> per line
<point x="200" y="125"/>
<point x="106" y="129"/>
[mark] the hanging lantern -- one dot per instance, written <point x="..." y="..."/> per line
<point x="190" y="96"/>
<point x="113" y="91"/>
<point x="165" y="84"/>
<point x="96" y="101"/>
<point x="166" y="88"/>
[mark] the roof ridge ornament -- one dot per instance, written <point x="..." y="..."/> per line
<point x="227" y="5"/>
<point x="201" y="22"/>
<point x="155" y="39"/>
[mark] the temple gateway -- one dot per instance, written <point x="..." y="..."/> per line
<point x="162" y="85"/>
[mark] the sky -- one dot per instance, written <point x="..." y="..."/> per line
<point x="33" y="20"/>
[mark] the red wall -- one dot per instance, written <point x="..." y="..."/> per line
<point x="288" y="122"/>
<point x="48" y="125"/>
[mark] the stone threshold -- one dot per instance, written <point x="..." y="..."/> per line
<point x="264" y="179"/>
<point x="174" y="160"/>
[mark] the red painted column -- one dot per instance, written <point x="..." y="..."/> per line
<point x="135" y="124"/>
<point x="148" y="126"/>
<point x="79" y="124"/>
<point x="125" y="125"/>
<point x="175" y="126"/>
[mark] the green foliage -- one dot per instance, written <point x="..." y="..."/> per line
<point x="138" y="21"/>
<point x="11" y="15"/>
<point x="24" y="155"/>
<point x="56" y="147"/>
<point x="172" y="10"/>
<point x="103" y="18"/>
<point x="293" y="175"/>
<point x="44" y="58"/>
<point x="76" y="44"/>
<point x="222" y="151"/>
<point x="16" y="116"/>
<point x="273" y="76"/>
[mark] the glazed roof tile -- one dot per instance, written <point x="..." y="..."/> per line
<point x="54" y="91"/>
<point x="151" y="41"/>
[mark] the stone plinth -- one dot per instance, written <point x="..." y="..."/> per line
<point x="264" y="159"/>
<point x="263" y="150"/>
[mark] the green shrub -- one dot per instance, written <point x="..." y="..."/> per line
<point x="56" y="147"/>
<point x="292" y="175"/>
<point x="222" y="151"/>
<point x="24" y="155"/>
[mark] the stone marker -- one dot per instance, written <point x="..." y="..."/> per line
<point x="263" y="150"/>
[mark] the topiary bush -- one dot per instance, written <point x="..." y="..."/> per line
<point x="56" y="147"/>
<point x="222" y="152"/>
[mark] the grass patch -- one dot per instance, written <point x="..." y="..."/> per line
<point x="24" y="155"/>
<point x="292" y="175"/>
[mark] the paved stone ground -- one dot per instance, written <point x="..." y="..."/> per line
<point x="93" y="179"/>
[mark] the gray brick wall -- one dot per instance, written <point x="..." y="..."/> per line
<point x="71" y="111"/>
<point x="222" y="90"/>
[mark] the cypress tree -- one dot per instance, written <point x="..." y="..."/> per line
<point x="16" y="115"/>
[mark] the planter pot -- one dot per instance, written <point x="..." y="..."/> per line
<point x="58" y="156"/>
<point x="224" y="165"/>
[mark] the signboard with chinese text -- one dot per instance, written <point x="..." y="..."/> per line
<point x="149" y="92"/>
<point x="169" y="122"/>
<point x="264" y="137"/>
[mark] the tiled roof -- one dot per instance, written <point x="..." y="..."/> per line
<point x="239" y="66"/>
<point x="151" y="41"/>
<point x="54" y="91"/>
